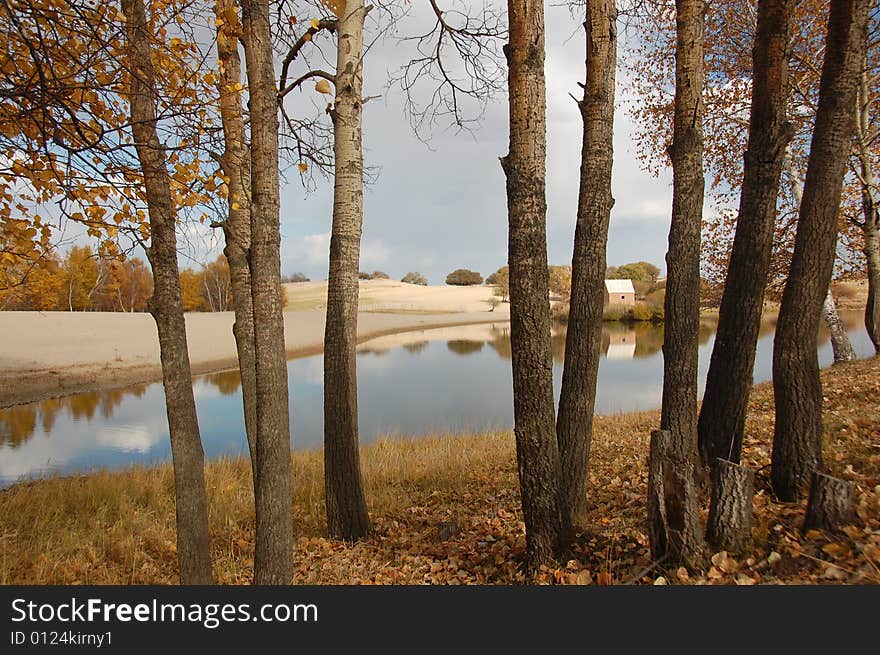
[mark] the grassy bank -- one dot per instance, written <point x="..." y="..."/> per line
<point x="119" y="527"/>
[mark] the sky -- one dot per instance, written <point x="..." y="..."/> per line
<point x="442" y="206"/>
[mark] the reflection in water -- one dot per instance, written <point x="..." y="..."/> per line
<point x="465" y="346"/>
<point x="437" y="380"/>
<point x="416" y="346"/>
<point x="227" y="382"/>
<point x="19" y="423"/>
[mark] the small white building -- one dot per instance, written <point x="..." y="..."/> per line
<point x="620" y="292"/>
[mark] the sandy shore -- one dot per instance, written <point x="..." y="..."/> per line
<point x="46" y="354"/>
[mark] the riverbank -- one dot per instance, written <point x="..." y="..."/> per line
<point x="49" y="354"/>
<point x="118" y="528"/>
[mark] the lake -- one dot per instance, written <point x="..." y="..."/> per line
<point x="446" y="380"/>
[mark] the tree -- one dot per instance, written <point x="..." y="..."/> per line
<point x="274" y="534"/>
<point x="524" y="167"/>
<point x="193" y="541"/>
<point x="682" y="302"/>
<point x="501" y="280"/>
<point x="870" y="223"/>
<point x="462" y="277"/>
<point x="235" y="167"/>
<point x="133" y="285"/>
<point x="725" y="400"/>
<point x="415" y="278"/>
<point x="574" y="425"/>
<point x="217" y="284"/>
<point x="83" y="273"/>
<point x="347" y="516"/>
<point x="797" y="442"/>
<point x="560" y="280"/>
<point x="636" y="271"/>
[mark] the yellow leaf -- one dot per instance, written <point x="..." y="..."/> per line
<point x="303" y="167"/>
<point x="314" y="23"/>
<point x="323" y="86"/>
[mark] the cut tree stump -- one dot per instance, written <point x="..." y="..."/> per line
<point x="730" y="512"/>
<point x="831" y="503"/>
<point x="673" y="514"/>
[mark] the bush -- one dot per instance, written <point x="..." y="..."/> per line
<point x="380" y="275"/>
<point x="415" y="278"/>
<point x="842" y="290"/>
<point x="463" y="277"/>
<point x="364" y="276"/>
<point x="295" y="277"/>
<point x="641" y="312"/>
<point x="614" y="313"/>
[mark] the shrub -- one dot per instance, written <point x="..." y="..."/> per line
<point x="463" y="277"/>
<point x="842" y="290"/>
<point x="614" y="313"/>
<point x="641" y="312"/>
<point x="364" y="276"/>
<point x="295" y="277"/>
<point x="380" y="275"/>
<point x="415" y="278"/>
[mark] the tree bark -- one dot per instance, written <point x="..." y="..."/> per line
<point x="682" y="304"/>
<point x="533" y="402"/>
<point x="830" y="505"/>
<point x="871" y="228"/>
<point x="840" y="345"/>
<point x="237" y="226"/>
<point x="273" y="554"/>
<point x="673" y="508"/>
<point x="574" y="425"/>
<point x="871" y="218"/>
<point x="730" y="511"/>
<point x="166" y="306"/>
<point x="797" y="442"/>
<point x="347" y="516"/>
<point x="725" y="400"/>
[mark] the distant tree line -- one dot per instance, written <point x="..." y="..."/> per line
<point x="84" y="280"/>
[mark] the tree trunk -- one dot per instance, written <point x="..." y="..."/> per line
<point x="871" y="221"/>
<point x="533" y="403"/>
<point x="166" y="306"/>
<point x="682" y="304"/>
<point x="237" y="226"/>
<point x="274" y="530"/>
<point x="830" y="505"/>
<point x="840" y="345"/>
<point x="726" y="397"/>
<point x="797" y="442"/>
<point x="347" y="516"/>
<point x="574" y="426"/>
<point x="871" y="228"/>
<point x="730" y="512"/>
<point x="673" y="508"/>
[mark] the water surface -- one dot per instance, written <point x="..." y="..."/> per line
<point x="445" y="380"/>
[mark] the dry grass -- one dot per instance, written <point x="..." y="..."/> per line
<point x="119" y="527"/>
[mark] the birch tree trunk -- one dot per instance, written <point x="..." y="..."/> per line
<point x="533" y="403"/>
<point x="871" y="218"/>
<point x="166" y="306"/>
<point x="347" y="516"/>
<point x="840" y="345"/>
<point x="725" y="400"/>
<point x="797" y="442"/>
<point x="574" y="425"/>
<point x="274" y="530"/>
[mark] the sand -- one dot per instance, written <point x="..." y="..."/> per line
<point x="46" y="354"/>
